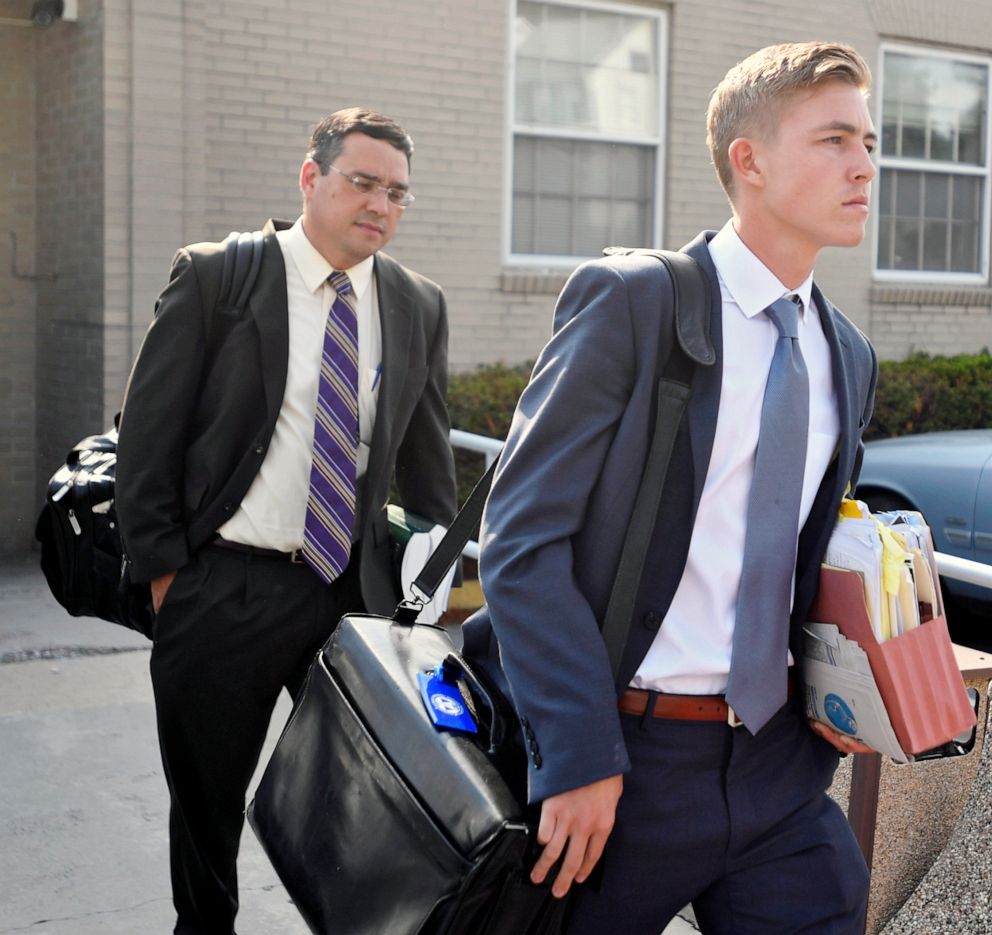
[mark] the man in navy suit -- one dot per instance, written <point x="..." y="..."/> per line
<point x="214" y="468"/>
<point x="681" y="802"/>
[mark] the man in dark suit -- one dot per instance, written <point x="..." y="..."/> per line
<point x="218" y="485"/>
<point x="684" y="802"/>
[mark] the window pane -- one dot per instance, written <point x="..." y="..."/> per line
<point x="585" y="69"/>
<point x="934" y="108"/>
<point x="967" y="204"/>
<point x="907" y="185"/>
<point x="522" y="240"/>
<point x="937" y="198"/>
<point x="935" y="245"/>
<point x="553" y="225"/>
<point x="554" y="167"/>
<point x="907" y="239"/>
<point x="885" y="243"/>
<point x="595" y="227"/>
<point x="584" y="196"/>
<point x="964" y="248"/>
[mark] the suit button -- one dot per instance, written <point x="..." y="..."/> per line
<point x="260" y="449"/>
<point x="652" y="620"/>
<point x="537" y="761"/>
<point x="228" y="507"/>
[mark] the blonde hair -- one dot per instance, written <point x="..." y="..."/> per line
<point x="750" y="97"/>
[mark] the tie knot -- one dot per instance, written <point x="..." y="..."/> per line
<point x="785" y="314"/>
<point x="340" y="282"/>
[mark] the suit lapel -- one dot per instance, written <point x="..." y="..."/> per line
<point x="395" y="322"/>
<point x="269" y="308"/>
<point x="840" y="360"/>
<point x="704" y="403"/>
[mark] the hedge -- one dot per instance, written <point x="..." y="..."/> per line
<point x="483" y="402"/>
<point x="932" y="394"/>
<point x="922" y="393"/>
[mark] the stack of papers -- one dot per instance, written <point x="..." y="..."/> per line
<point x="894" y="555"/>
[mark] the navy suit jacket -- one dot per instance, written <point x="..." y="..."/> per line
<point x="564" y="491"/>
<point x="196" y="425"/>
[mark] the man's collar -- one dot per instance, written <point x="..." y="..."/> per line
<point x="314" y="269"/>
<point x="752" y="284"/>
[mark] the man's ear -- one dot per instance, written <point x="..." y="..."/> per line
<point x="308" y="174"/>
<point x="743" y="156"/>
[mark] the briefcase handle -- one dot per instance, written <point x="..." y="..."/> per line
<point x="447" y="551"/>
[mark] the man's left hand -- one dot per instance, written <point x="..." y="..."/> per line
<point x="841" y="741"/>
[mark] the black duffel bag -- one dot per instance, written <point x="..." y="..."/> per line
<point x="375" y="820"/>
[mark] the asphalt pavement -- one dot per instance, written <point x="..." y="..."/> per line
<point x="83" y="803"/>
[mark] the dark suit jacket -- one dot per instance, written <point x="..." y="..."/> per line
<point x="196" y="424"/>
<point x="563" y="496"/>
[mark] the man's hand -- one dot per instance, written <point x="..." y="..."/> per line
<point x="576" y="822"/>
<point x="160" y="587"/>
<point x="841" y="741"/>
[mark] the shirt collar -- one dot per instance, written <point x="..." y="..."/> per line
<point x="314" y="269"/>
<point x="752" y="285"/>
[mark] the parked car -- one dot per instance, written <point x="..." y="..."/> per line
<point x="947" y="476"/>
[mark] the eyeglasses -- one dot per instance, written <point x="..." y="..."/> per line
<point x="366" y="186"/>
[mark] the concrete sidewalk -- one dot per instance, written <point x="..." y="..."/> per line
<point x="83" y="809"/>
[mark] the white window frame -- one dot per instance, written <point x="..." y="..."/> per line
<point x="930" y="165"/>
<point x="658" y="141"/>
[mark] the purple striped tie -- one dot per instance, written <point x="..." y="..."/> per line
<point x="331" y="503"/>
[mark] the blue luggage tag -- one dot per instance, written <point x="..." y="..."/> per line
<point x="445" y="705"/>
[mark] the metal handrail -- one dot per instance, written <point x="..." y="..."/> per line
<point x="964" y="569"/>
<point x="950" y="566"/>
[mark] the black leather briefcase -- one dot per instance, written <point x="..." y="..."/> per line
<point x="378" y="822"/>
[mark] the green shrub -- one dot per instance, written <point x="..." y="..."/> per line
<point x="926" y="393"/>
<point x="922" y="393"/>
<point x="482" y="402"/>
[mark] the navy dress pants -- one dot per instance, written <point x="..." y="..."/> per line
<point x="739" y="826"/>
<point x="234" y="630"/>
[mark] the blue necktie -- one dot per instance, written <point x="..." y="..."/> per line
<point x="757" y="686"/>
<point x="330" y="515"/>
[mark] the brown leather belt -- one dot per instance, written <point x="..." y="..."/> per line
<point x="678" y="707"/>
<point x="296" y="556"/>
<point x="682" y="707"/>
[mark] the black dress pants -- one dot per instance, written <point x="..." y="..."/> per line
<point x="233" y="631"/>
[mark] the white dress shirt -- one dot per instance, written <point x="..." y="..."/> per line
<point x="691" y="651"/>
<point x="273" y="512"/>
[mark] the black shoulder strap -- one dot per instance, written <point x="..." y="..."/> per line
<point x="691" y="307"/>
<point x="242" y="260"/>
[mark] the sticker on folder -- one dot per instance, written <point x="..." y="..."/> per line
<point x="839" y="714"/>
<point x="443" y="701"/>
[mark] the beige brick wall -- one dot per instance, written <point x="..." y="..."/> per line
<point x="17" y="288"/>
<point x="149" y="124"/>
<point x="223" y="96"/>
<point x="69" y="176"/>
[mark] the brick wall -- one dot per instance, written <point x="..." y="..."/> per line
<point x="17" y="288"/>
<point x="69" y="177"/>
<point x="147" y="125"/>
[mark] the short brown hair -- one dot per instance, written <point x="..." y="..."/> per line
<point x="749" y="98"/>
<point x="328" y="136"/>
